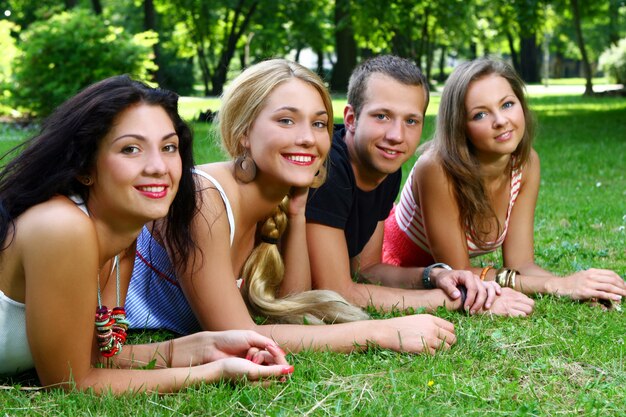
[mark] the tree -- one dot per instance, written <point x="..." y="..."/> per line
<point x="581" y="46"/>
<point x="71" y="50"/>
<point x="345" y="46"/>
<point x="213" y="31"/>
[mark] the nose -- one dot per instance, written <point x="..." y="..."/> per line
<point x="155" y="164"/>
<point x="499" y="119"/>
<point x="394" y="133"/>
<point x="305" y="137"/>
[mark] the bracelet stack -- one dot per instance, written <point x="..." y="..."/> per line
<point x="483" y="273"/>
<point x="506" y="277"/>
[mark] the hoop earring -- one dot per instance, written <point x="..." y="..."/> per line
<point x="86" y="180"/>
<point x="245" y="168"/>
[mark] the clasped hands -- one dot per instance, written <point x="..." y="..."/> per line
<point x="482" y="296"/>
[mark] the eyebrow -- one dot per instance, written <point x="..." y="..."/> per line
<point x="142" y="138"/>
<point x="296" y="110"/>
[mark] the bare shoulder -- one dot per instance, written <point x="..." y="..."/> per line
<point x="54" y="222"/>
<point x="212" y="203"/>
<point x="429" y="168"/>
<point x="532" y="167"/>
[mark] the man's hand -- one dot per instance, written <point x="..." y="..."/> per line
<point x="479" y="295"/>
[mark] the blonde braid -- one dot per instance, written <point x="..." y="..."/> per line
<point x="263" y="273"/>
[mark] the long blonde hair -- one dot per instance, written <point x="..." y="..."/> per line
<point x="453" y="147"/>
<point x="264" y="269"/>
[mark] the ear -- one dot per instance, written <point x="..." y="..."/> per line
<point x="245" y="142"/>
<point x="349" y="118"/>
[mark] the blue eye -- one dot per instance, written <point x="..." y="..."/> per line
<point x="508" y="105"/>
<point x="412" y="122"/>
<point x="320" y="124"/>
<point x="380" y="116"/>
<point x="479" y="115"/>
<point x="285" y="121"/>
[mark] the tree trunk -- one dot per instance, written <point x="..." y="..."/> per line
<point x="70" y="4"/>
<point x="514" y="56"/>
<point x="320" y="63"/>
<point x="424" y="39"/>
<point x="613" y="21"/>
<point x="529" y="59"/>
<point x="430" y="56"/>
<point x="204" y="68"/>
<point x="150" y="23"/>
<point x="442" y="65"/>
<point x="97" y="7"/>
<point x="219" y="76"/>
<point x="345" y="47"/>
<point x="581" y="46"/>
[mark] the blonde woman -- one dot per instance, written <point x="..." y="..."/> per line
<point x="276" y="123"/>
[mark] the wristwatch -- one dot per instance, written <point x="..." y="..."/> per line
<point x="426" y="274"/>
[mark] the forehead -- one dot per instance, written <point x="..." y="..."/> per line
<point x="492" y="87"/>
<point x="293" y="93"/>
<point x="143" y="120"/>
<point x="382" y="91"/>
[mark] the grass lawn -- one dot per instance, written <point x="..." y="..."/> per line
<point x="568" y="358"/>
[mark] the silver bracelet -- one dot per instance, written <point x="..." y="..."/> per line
<point x="426" y="274"/>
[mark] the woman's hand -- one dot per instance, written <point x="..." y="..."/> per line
<point x="206" y="347"/>
<point x="510" y="303"/>
<point x="237" y="369"/>
<point x="592" y="283"/>
<point x="297" y="201"/>
<point x="419" y="333"/>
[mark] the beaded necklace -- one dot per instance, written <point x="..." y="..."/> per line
<point x="111" y="325"/>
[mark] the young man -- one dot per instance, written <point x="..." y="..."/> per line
<point x="387" y="101"/>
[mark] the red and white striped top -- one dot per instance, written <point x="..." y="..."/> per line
<point x="410" y="219"/>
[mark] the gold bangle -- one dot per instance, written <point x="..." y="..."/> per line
<point x="512" y="276"/>
<point x="501" y="276"/>
<point x="483" y="274"/>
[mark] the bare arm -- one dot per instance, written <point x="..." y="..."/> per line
<point x="518" y="251"/>
<point x="209" y="285"/>
<point x="297" y="272"/>
<point x="61" y="276"/>
<point x="330" y="269"/>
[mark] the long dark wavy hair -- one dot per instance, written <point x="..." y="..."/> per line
<point x="66" y="146"/>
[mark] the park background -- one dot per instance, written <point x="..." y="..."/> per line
<point x="568" y="358"/>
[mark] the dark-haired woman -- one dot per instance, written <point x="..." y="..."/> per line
<point x="110" y="159"/>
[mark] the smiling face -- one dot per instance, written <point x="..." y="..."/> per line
<point x="388" y="130"/>
<point x="138" y="167"/>
<point x="495" y="117"/>
<point x="289" y="138"/>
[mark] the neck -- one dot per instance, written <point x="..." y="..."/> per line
<point x="494" y="168"/>
<point x="114" y="239"/>
<point x="259" y="198"/>
<point x="367" y="178"/>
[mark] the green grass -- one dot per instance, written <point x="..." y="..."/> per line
<point x="568" y="358"/>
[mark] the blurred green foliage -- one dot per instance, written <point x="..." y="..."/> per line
<point x="72" y="50"/>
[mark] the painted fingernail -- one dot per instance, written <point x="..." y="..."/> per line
<point x="287" y="370"/>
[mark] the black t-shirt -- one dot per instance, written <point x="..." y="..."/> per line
<point x="341" y="204"/>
